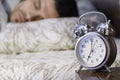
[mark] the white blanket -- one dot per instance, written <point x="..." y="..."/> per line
<point x="46" y="51"/>
<point x="46" y="65"/>
<point x="52" y="65"/>
<point x="48" y="34"/>
<point x="45" y="47"/>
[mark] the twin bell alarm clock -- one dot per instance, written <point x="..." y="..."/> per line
<point x="95" y="47"/>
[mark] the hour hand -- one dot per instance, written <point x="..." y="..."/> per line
<point x="88" y="58"/>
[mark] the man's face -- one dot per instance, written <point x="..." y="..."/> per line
<point x="31" y="10"/>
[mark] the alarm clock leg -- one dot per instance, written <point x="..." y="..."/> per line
<point x="80" y="68"/>
<point x="107" y="68"/>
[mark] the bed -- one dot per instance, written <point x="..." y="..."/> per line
<point x="40" y="50"/>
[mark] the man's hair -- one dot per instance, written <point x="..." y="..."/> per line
<point x="66" y="8"/>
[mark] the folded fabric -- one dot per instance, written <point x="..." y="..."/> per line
<point x="9" y="5"/>
<point x="3" y="16"/>
<point x="47" y="34"/>
<point x="46" y="65"/>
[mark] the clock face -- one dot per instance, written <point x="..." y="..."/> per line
<point x="92" y="50"/>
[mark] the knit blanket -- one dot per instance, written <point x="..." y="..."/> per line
<point x="41" y="50"/>
<point x="46" y="65"/>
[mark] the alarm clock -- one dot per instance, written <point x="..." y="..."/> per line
<point x="95" y="47"/>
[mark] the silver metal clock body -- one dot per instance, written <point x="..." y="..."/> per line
<point x="94" y="50"/>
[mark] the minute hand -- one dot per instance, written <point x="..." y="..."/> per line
<point x="90" y="50"/>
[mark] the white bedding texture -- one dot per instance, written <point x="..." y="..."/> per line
<point x="45" y="65"/>
<point x="48" y="34"/>
<point x="40" y="50"/>
<point x="46" y="50"/>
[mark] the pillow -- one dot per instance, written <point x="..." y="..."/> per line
<point x="3" y="15"/>
<point x="47" y="34"/>
<point x="9" y="5"/>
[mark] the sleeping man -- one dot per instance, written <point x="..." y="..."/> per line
<point x="31" y="10"/>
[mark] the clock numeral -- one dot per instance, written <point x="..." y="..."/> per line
<point x="100" y="45"/>
<point x="81" y="51"/>
<point x="92" y="61"/>
<point x="100" y="55"/>
<point x="96" y="41"/>
<point x="97" y="59"/>
<point x="102" y="50"/>
<point x="92" y="40"/>
<point x="86" y="41"/>
<point x="83" y="56"/>
<point x="83" y="46"/>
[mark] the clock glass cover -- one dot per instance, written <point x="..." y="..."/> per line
<point x="92" y="50"/>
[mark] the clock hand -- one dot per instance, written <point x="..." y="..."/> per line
<point x="90" y="50"/>
<point x="94" y="45"/>
<point x="89" y="56"/>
